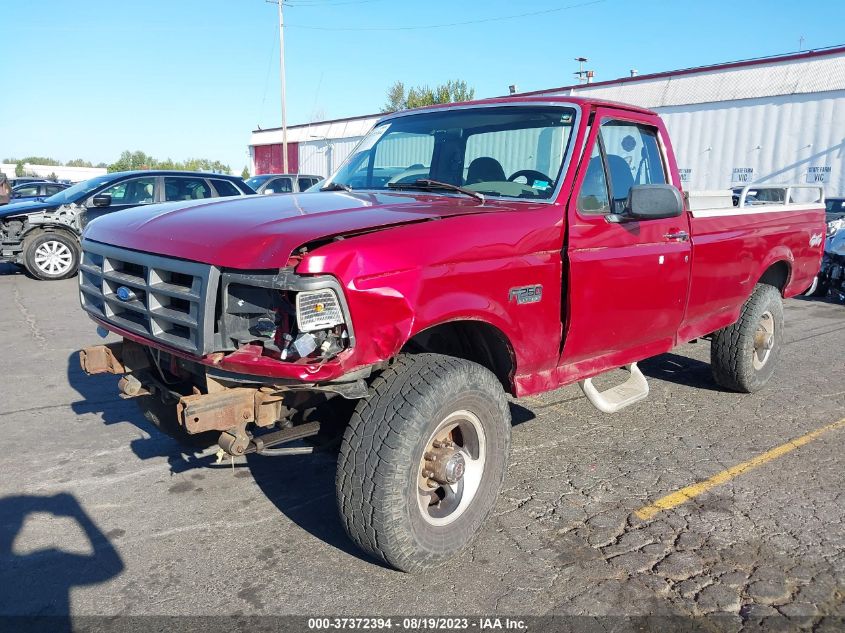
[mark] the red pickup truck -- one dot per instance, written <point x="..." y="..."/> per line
<point x="461" y="253"/>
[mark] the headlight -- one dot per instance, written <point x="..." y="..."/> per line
<point x="318" y="310"/>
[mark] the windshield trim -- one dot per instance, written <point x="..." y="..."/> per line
<point x="564" y="167"/>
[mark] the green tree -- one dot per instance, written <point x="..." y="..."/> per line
<point x="139" y="160"/>
<point x="78" y="162"/>
<point x="453" y="91"/>
<point x="245" y="173"/>
<point x="396" y="98"/>
<point x="132" y="160"/>
<point x="41" y="160"/>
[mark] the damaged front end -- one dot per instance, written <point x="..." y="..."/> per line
<point x="207" y="350"/>
<point x="185" y="398"/>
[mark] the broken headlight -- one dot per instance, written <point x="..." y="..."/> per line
<point x="318" y="310"/>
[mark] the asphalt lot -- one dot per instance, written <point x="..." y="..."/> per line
<point x="100" y="514"/>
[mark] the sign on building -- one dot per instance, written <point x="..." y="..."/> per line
<point x="818" y="175"/>
<point x="742" y="175"/>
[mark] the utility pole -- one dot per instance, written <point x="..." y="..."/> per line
<point x="279" y="3"/>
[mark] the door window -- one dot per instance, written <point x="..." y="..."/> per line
<point x="304" y="183"/>
<point x="135" y="191"/>
<point x="24" y="192"/>
<point x="179" y="188"/>
<point x="225" y="188"/>
<point x="632" y="157"/>
<point x="279" y="185"/>
<point x="593" y="198"/>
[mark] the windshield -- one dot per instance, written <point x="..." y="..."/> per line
<point x="256" y="181"/>
<point x="507" y="151"/>
<point x="79" y="190"/>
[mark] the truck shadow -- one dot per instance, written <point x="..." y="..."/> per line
<point x="680" y="370"/>
<point x="37" y="571"/>
<point x="302" y="488"/>
<point x="99" y="395"/>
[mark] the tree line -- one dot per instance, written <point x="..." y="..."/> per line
<point x="127" y="161"/>
<point x="140" y="160"/>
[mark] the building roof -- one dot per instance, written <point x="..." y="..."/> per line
<point x="819" y="70"/>
<point x="792" y="74"/>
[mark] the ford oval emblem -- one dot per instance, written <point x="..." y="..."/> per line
<point x="125" y="294"/>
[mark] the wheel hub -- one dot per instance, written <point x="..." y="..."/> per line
<point x="451" y="468"/>
<point x="444" y="463"/>
<point x="764" y="340"/>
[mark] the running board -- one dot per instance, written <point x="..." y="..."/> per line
<point x="617" y="398"/>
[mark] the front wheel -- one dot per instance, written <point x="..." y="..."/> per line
<point x="50" y="256"/>
<point x="423" y="459"/>
<point x="743" y="355"/>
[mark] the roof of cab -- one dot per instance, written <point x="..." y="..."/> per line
<point x="585" y="103"/>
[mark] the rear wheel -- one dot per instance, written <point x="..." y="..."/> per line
<point x="743" y="355"/>
<point x="51" y="256"/>
<point x="423" y="459"/>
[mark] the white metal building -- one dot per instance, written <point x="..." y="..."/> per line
<point x="74" y="174"/>
<point x="769" y="120"/>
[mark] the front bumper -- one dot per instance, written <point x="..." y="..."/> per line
<point x="214" y="402"/>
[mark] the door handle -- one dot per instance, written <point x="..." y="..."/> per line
<point x="680" y="236"/>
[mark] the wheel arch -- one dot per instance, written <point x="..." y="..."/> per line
<point x="777" y="274"/>
<point x="470" y="339"/>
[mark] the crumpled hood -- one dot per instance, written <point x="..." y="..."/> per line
<point x="256" y="232"/>
<point x="22" y="208"/>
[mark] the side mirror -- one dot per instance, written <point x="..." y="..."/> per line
<point x="102" y="200"/>
<point x="651" y="202"/>
<point x="267" y="192"/>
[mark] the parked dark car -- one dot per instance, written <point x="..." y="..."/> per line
<point x="19" y="180"/>
<point x="43" y="235"/>
<point x="282" y="183"/>
<point x="34" y="190"/>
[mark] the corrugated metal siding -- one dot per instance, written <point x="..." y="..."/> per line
<point x="322" y="157"/>
<point x="728" y="84"/>
<point x="799" y="138"/>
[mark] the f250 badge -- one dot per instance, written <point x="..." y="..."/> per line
<point x="815" y="239"/>
<point x="526" y="294"/>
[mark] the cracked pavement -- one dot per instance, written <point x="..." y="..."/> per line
<point x="102" y="514"/>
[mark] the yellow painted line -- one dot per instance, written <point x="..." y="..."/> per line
<point x="689" y="492"/>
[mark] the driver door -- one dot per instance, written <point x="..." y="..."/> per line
<point x="627" y="281"/>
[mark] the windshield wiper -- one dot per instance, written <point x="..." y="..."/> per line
<point x="336" y="186"/>
<point x="425" y="183"/>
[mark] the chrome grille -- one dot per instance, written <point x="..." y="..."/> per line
<point x="164" y="299"/>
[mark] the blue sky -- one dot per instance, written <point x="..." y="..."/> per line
<point x="191" y="78"/>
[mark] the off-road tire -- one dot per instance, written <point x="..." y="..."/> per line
<point x="381" y="451"/>
<point x="732" y="349"/>
<point x="59" y="239"/>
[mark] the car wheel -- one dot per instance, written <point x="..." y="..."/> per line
<point x="423" y="459"/>
<point x="51" y="256"/>
<point x="743" y="355"/>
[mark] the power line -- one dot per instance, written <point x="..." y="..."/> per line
<point x="325" y="3"/>
<point x="442" y="26"/>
